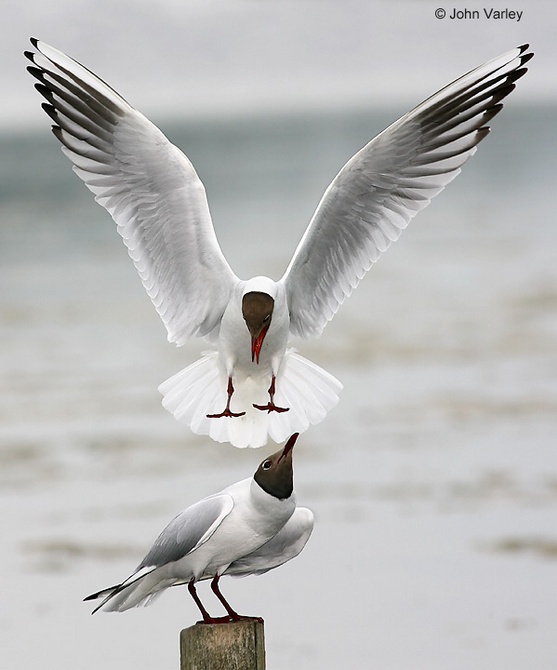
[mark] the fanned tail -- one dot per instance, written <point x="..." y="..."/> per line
<point x="200" y="389"/>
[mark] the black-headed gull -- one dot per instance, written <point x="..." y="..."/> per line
<point x="248" y="528"/>
<point x="252" y="386"/>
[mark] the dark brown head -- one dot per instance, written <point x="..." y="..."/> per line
<point x="257" y="310"/>
<point x="275" y="475"/>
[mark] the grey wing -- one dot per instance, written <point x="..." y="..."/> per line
<point x="187" y="531"/>
<point x="283" y="547"/>
<point x="386" y="184"/>
<point x="148" y="186"/>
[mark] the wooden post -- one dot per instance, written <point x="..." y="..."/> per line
<point x="229" y="646"/>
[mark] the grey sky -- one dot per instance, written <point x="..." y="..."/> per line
<point x="219" y="56"/>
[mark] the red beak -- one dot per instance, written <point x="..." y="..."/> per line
<point x="289" y="445"/>
<point x="257" y="343"/>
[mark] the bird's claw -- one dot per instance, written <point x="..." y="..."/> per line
<point x="226" y="412"/>
<point x="215" y="620"/>
<point x="230" y="619"/>
<point x="271" y="407"/>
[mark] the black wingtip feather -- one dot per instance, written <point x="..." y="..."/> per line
<point x="49" y="109"/>
<point x="35" y="72"/>
<point x="489" y="115"/>
<point x="34" y="41"/>
<point x="58" y="134"/>
<point x="495" y="109"/>
<point x="43" y="89"/>
<point x="517" y="74"/>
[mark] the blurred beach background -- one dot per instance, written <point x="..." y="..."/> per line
<point x="433" y="482"/>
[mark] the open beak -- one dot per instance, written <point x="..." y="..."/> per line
<point x="289" y="446"/>
<point x="257" y="343"/>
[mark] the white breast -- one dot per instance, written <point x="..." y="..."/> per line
<point x="234" y="337"/>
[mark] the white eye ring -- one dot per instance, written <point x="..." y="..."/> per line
<point x="267" y="465"/>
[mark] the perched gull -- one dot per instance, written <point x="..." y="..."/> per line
<point x="248" y="528"/>
<point x="252" y="386"/>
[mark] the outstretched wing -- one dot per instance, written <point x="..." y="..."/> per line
<point x="386" y="184"/>
<point x="148" y="186"/>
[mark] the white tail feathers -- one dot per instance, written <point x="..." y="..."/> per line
<point x="139" y="593"/>
<point x="201" y="389"/>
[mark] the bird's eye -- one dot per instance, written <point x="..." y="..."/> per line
<point x="267" y="465"/>
<point x="267" y="318"/>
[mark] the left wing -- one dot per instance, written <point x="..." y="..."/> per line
<point x="149" y="187"/>
<point x="189" y="530"/>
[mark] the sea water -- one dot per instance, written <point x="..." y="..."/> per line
<point x="434" y="481"/>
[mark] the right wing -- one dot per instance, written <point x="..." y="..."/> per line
<point x="283" y="547"/>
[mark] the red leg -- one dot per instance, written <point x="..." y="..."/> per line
<point x="270" y="406"/>
<point x="193" y="593"/>
<point x="232" y="615"/>
<point x="207" y="618"/>
<point x="227" y="411"/>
